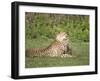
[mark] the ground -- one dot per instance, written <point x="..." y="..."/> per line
<point x="79" y="49"/>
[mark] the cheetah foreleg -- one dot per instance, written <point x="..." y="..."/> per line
<point x="66" y="55"/>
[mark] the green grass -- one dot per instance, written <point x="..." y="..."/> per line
<point x="80" y="50"/>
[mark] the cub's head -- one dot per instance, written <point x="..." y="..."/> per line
<point x="62" y="37"/>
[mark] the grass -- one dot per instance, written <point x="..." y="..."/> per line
<point x="80" y="50"/>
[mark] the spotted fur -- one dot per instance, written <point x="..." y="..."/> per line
<point x="59" y="48"/>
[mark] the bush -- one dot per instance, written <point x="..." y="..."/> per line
<point x="42" y="25"/>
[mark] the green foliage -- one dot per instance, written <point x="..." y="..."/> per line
<point x="46" y="26"/>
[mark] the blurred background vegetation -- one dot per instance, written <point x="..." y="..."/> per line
<point x="46" y="26"/>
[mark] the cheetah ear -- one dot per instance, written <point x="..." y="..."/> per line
<point x="63" y="33"/>
<point x="57" y="33"/>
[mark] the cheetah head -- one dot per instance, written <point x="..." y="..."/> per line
<point x="62" y="36"/>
